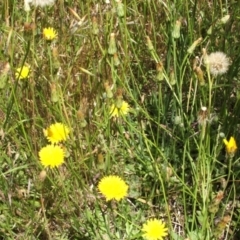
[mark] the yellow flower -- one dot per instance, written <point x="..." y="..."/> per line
<point x="22" y="72"/>
<point x="113" y="187"/>
<point x="118" y="110"/>
<point x="231" y="146"/>
<point x="154" y="229"/>
<point x="51" y="156"/>
<point x="49" y="33"/>
<point x="56" y="133"/>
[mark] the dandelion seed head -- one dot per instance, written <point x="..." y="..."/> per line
<point x="41" y="3"/>
<point x="218" y="63"/>
<point x="203" y="116"/>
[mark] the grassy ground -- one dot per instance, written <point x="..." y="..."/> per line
<point x="169" y="151"/>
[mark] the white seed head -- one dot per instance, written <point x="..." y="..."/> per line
<point x="26" y="5"/>
<point x="218" y="63"/>
<point x="40" y="3"/>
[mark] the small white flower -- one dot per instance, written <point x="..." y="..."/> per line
<point x="218" y="63"/>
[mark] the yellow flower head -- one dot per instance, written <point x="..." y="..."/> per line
<point x="49" y="33"/>
<point x="154" y="229"/>
<point x="56" y="133"/>
<point x="118" y="110"/>
<point x="51" y="156"/>
<point x="231" y="146"/>
<point x="113" y="187"/>
<point x="22" y="72"/>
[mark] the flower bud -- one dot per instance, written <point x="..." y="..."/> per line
<point x="119" y="103"/>
<point x="172" y="79"/>
<point x="222" y="135"/>
<point x="205" y="58"/>
<point x="220" y="226"/>
<point x="54" y="93"/>
<point x="176" y="29"/>
<point x="112" y="45"/>
<point x="159" y="67"/>
<point x="95" y="29"/>
<point x="116" y="60"/>
<point x="199" y="74"/>
<point x="119" y="93"/>
<point x="56" y="62"/>
<point x="100" y="158"/>
<point x="42" y="175"/>
<point x="120" y="9"/>
<point x="177" y="120"/>
<point x="108" y="90"/>
<point x="21" y="193"/>
<point x="149" y="44"/>
<point x="29" y="27"/>
<point x="224" y="19"/>
<point x="81" y="117"/>
<point x="194" y="45"/>
<point x="209" y="31"/>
